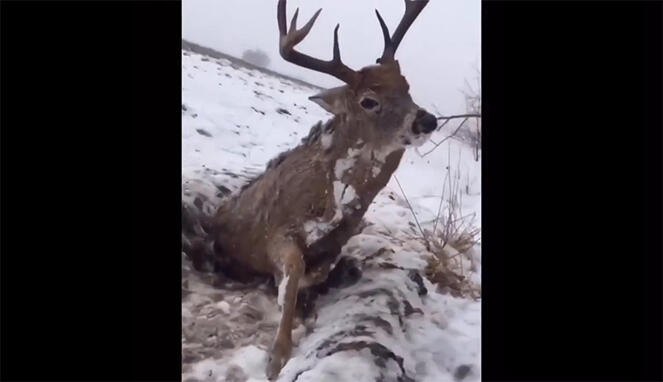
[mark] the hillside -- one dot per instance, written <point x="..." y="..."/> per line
<point x="392" y="324"/>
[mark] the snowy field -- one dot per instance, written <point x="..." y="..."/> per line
<point x="392" y="324"/>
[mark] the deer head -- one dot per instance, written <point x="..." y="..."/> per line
<point x="375" y="98"/>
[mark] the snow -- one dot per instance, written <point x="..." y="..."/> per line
<point x="375" y="171"/>
<point x="234" y="120"/>
<point x="326" y="140"/>
<point x="342" y="166"/>
<point x="349" y="195"/>
<point x="343" y="195"/>
<point x="282" y="285"/>
<point x="339" y="189"/>
<point x="315" y="229"/>
<point x="224" y="306"/>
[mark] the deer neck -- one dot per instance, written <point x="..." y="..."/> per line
<point x="360" y="161"/>
<point x="359" y="170"/>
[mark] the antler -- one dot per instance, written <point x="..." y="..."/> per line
<point x="412" y="10"/>
<point x="292" y="37"/>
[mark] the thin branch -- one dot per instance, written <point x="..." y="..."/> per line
<point x="413" y="214"/>
<point x="439" y="209"/>
<point x="447" y="225"/>
<point x="460" y="116"/>
<point x="442" y="125"/>
<point x="442" y="141"/>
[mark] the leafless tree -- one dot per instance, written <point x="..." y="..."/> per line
<point x="256" y="57"/>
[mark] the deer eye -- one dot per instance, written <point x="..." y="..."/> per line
<point x="369" y="103"/>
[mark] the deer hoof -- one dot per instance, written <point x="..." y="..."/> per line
<point x="277" y="359"/>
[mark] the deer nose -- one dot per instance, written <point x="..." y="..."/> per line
<point x="424" y="122"/>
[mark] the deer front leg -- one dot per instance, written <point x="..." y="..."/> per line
<point x="288" y="257"/>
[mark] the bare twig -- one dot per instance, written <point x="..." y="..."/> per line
<point x="413" y="214"/>
<point x="456" y="228"/>
<point x="442" y="125"/>
<point x="439" y="208"/>
<point x="446" y="120"/>
<point x="447" y="226"/>
<point x="472" y="115"/>
<point x="442" y="141"/>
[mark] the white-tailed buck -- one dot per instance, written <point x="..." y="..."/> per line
<point x="291" y="221"/>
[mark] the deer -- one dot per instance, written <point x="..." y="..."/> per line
<point x="291" y="221"/>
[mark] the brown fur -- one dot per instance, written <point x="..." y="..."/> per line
<point x="263" y="228"/>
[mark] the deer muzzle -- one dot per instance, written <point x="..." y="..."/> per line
<point x="424" y="122"/>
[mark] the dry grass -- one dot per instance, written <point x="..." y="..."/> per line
<point x="451" y="240"/>
<point x="443" y="269"/>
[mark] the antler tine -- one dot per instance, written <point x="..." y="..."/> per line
<point x="290" y="37"/>
<point x="388" y="46"/>
<point x="412" y="10"/>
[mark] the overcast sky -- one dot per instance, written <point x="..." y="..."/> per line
<point x="441" y="49"/>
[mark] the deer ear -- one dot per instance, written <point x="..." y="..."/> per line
<point x="333" y="100"/>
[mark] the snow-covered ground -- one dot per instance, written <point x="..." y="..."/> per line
<point x="391" y="324"/>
